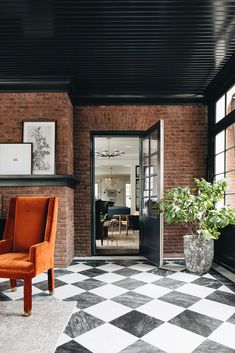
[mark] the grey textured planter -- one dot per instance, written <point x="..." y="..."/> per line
<point x="198" y="254"/>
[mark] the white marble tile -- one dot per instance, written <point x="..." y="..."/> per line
<point x="152" y="290"/>
<point x="109" y="291"/>
<point x="173" y="339"/>
<point x="40" y="278"/>
<point x="67" y="291"/>
<point x="207" y="275"/>
<point x="160" y="310"/>
<point x="73" y="277"/>
<point x="185" y="277"/>
<point x="195" y="289"/>
<point x="63" y="339"/>
<point x="146" y="277"/>
<point x="142" y="267"/>
<point x="110" y="267"/>
<point x="224" y="334"/>
<point x="106" y="339"/>
<point x="214" y="309"/>
<point x="19" y="293"/>
<point x="110" y="277"/>
<point x="225" y="289"/>
<point x="107" y="310"/>
<point x="78" y="268"/>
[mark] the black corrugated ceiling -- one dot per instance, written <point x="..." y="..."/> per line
<point x="116" y="50"/>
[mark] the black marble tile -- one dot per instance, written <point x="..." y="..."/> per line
<point x="136" y="323"/>
<point x="141" y="347"/>
<point x="232" y="319"/>
<point x="92" y="272"/>
<point x="129" y="283"/>
<point x="161" y="272"/>
<point x="169" y="283"/>
<point x="89" y="284"/>
<point x="222" y="297"/>
<point x="201" y="324"/>
<point x="207" y="282"/>
<point x="209" y="346"/>
<point x="180" y="299"/>
<point x="4" y="298"/>
<point x="84" y="300"/>
<point x="128" y="272"/>
<point x="71" y="347"/>
<point x="125" y="263"/>
<point x="61" y="272"/>
<point x="132" y="300"/>
<point x="95" y="263"/>
<point x="44" y="284"/>
<point x="4" y="285"/>
<point x="230" y="286"/>
<point x="81" y="322"/>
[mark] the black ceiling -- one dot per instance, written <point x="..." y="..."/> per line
<point x="116" y="50"/>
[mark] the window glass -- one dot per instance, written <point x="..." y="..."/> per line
<point x="230" y="100"/>
<point x="219" y="163"/>
<point x="153" y="143"/>
<point x="145" y="145"/>
<point x="219" y="142"/>
<point x="153" y="186"/>
<point x="220" y="109"/>
<point x="128" y="195"/>
<point x="230" y="136"/>
<point x="153" y="163"/>
<point x="97" y="191"/>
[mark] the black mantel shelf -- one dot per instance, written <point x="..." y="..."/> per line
<point x="38" y="180"/>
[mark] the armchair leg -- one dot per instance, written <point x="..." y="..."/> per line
<point x="13" y="285"/>
<point x="51" y="281"/>
<point x="27" y="296"/>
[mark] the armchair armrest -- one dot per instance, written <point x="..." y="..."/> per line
<point x="41" y="255"/>
<point x="5" y="246"/>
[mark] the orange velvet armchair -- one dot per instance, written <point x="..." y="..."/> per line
<point x="27" y="248"/>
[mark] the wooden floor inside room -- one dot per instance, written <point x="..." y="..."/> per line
<point x="119" y="243"/>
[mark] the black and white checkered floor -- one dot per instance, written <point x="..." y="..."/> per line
<point x="134" y="307"/>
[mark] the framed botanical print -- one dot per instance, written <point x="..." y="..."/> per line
<point x="15" y="158"/>
<point x="42" y="135"/>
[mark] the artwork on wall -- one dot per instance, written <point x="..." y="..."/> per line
<point x="112" y="193"/>
<point x="42" y="135"/>
<point x="15" y="158"/>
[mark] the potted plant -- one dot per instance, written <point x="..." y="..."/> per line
<point x="198" y="211"/>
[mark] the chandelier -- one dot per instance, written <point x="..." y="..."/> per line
<point x="111" y="181"/>
<point x="107" y="153"/>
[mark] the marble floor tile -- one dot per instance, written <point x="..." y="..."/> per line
<point x="141" y="347"/>
<point x="180" y="299"/>
<point x="146" y="277"/>
<point x="110" y="267"/>
<point x="201" y="324"/>
<point x="225" y="335"/>
<point x="4" y="298"/>
<point x="142" y="267"/>
<point x="88" y="284"/>
<point x="222" y="297"/>
<point x="79" y="267"/>
<point x="19" y="293"/>
<point x="169" y="283"/>
<point x="129" y="283"/>
<point x="161" y="272"/>
<point x="125" y="263"/>
<point x="195" y="289"/>
<point x="67" y="291"/>
<point x="225" y="289"/>
<point x="81" y="322"/>
<point x="41" y="277"/>
<point x="209" y="346"/>
<point x="106" y="339"/>
<point x="214" y="309"/>
<point x="60" y="272"/>
<point x="109" y="291"/>
<point x="184" y="277"/>
<point x="93" y="272"/>
<point x="127" y="272"/>
<point x="152" y="290"/>
<point x="107" y="310"/>
<point x="132" y="299"/>
<point x="173" y="339"/>
<point x="63" y="339"/>
<point x="73" y="277"/>
<point x="232" y="319"/>
<point x="136" y="323"/>
<point x="44" y="284"/>
<point x="86" y="299"/>
<point x="207" y="282"/>
<point x="160" y="310"/>
<point x="72" y="347"/>
<point x="110" y="277"/>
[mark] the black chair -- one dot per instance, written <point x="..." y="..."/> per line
<point x="133" y="222"/>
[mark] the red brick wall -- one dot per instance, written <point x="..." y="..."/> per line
<point x="185" y="155"/>
<point x="18" y="107"/>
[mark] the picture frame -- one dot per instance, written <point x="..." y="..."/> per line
<point x="112" y="193"/>
<point x="42" y="134"/>
<point x="16" y="158"/>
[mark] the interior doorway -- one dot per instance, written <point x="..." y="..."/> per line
<point x="116" y="194"/>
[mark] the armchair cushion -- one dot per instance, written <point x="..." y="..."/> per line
<point x="16" y="264"/>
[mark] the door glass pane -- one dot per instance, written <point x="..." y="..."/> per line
<point x="154" y="143"/>
<point x="230" y="178"/>
<point x="153" y="207"/>
<point x="219" y="142"/>
<point x="145" y="205"/>
<point x="153" y="186"/>
<point x="153" y="163"/>
<point x="230" y="136"/>
<point x="219" y="163"/>
<point x="145" y="144"/>
<point x="220" y="108"/>
<point x="230" y="159"/>
<point x="230" y="100"/>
